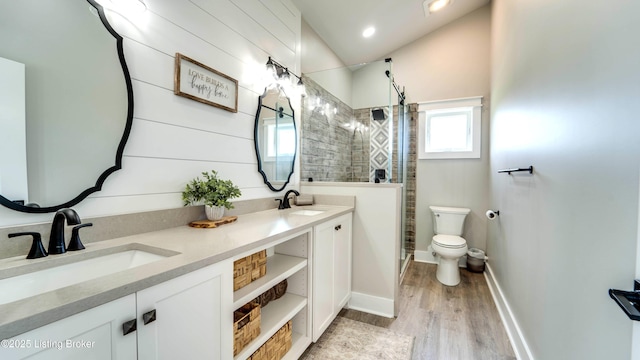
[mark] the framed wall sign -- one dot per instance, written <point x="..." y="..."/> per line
<point x="199" y="82"/>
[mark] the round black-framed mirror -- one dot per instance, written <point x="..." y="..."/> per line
<point x="275" y="138"/>
<point x="110" y="77"/>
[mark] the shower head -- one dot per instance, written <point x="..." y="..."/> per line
<point x="378" y="114"/>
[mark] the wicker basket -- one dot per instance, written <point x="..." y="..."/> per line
<point x="272" y="294"/>
<point x="276" y="347"/>
<point x="246" y="326"/>
<point x="248" y="269"/>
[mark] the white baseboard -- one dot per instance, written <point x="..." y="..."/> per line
<point x="514" y="333"/>
<point x="635" y="336"/>
<point x="371" y="304"/>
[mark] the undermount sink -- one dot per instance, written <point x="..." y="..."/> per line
<point x="307" y="212"/>
<point x="42" y="277"/>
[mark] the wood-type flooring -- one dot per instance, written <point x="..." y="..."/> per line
<point x="449" y="323"/>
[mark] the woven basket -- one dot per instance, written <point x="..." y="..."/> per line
<point x="280" y="289"/>
<point x="248" y="269"/>
<point x="264" y="298"/>
<point x="276" y="347"/>
<point x="246" y="326"/>
<point x="272" y="294"/>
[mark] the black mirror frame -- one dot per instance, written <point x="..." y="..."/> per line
<point x="125" y="136"/>
<point x="255" y="142"/>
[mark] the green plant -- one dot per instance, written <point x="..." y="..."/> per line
<point x="210" y="191"/>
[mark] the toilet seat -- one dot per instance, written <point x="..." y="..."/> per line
<point x="449" y="241"/>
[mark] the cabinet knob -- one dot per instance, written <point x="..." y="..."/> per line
<point x="149" y="317"/>
<point x="129" y="327"/>
<point x="338" y="227"/>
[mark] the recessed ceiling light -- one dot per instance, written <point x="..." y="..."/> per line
<point x="435" y="5"/>
<point x="368" y="32"/>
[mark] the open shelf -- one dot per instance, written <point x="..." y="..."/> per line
<point x="272" y="318"/>
<point x="299" y="344"/>
<point x="279" y="267"/>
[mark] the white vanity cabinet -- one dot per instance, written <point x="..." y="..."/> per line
<point x="193" y="315"/>
<point x="331" y="271"/>
<point x="188" y="317"/>
<point x="92" y="334"/>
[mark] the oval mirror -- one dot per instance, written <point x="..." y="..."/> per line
<point x="72" y="105"/>
<point x="275" y="138"/>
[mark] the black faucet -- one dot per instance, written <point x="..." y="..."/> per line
<point x="284" y="203"/>
<point x="56" y="239"/>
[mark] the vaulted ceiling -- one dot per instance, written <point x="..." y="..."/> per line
<point x="340" y="24"/>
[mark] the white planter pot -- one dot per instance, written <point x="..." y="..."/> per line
<point x="214" y="212"/>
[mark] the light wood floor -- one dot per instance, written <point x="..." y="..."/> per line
<point x="449" y="323"/>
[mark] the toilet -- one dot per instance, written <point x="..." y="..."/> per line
<point x="448" y="223"/>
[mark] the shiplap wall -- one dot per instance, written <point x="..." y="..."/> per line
<point x="174" y="139"/>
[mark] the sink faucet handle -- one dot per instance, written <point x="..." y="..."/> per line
<point x="280" y="207"/>
<point x="37" y="249"/>
<point x="75" y="243"/>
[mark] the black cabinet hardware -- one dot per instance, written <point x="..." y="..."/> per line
<point x="149" y="317"/>
<point x="338" y="227"/>
<point x="129" y="327"/>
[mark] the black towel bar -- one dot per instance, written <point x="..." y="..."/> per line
<point x="509" y="171"/>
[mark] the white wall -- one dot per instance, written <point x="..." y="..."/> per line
<point x="321" y="64"/>
<point x="376" y="242"/>
<point x="565" y="81"/>
<point x="371" y="87"/>
<point x="173" y="138"/>
<point x="452" y="62"/>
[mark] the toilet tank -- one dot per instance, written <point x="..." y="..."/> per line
<point x="448" y="220"/>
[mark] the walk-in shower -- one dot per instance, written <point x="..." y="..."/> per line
<point x="356" y="128"/>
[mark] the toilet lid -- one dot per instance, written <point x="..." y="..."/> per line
<point x="449" y="241"/>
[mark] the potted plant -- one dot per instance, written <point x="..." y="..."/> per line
<point x="211" y="191"/>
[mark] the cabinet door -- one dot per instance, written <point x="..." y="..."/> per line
<point x="342" y="261"/>
<point x="323" y="269"/>
<point x="189" y="317"/>
<point x="92" y="334"/>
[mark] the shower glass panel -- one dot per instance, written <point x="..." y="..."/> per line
<point x="355" y="129"/>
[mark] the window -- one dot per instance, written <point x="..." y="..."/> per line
<point x="280" y="140"/>
<point x="450" y="129"/>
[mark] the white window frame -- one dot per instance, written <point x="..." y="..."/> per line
<point x="269" y="124"/>
<point x="472" y="104"/>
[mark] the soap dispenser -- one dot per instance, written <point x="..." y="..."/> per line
<point x="37" y="249"/>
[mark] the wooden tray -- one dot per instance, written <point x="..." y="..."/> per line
<point x="210" y="224"/>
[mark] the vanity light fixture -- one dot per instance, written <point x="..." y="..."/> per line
<point x="285" y="77"/>
<point x="435" y="5"/>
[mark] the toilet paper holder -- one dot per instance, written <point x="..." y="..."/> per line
<point x="492" y="214"/>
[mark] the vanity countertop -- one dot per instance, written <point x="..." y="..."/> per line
<point x="196" y="248"/>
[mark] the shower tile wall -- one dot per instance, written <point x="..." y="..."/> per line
<point x="410" y="243"/>
<point x="361" y="146"/>
<point x="379" y="146"/>
<point x="330" y="150"/>
<point x="410" y="182"/>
